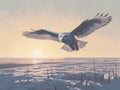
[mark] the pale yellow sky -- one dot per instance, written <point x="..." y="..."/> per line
<point x="58" y="16"/>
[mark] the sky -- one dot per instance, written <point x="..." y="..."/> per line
<point x="59" y="16"/>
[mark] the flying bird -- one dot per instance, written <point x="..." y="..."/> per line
<point x="71" y="39"/>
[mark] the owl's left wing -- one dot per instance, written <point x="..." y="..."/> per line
<point x="89" y="26"/>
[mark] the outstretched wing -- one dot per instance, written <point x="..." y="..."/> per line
<point x="89" y="26"/>
<point x="41" y="34"/>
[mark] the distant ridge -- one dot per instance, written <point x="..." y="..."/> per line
<point x="91" y="58"/>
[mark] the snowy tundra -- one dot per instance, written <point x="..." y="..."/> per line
<point x="78" y="75"/>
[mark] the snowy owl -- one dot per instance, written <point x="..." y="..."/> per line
<point x="71" y="39"/>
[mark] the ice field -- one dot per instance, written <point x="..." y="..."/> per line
<point x="83" y="74"/>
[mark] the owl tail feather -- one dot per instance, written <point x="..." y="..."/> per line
<point x="81" y="44"/>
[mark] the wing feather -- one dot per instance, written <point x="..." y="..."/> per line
<point x="41" y="34"/>
<point x="89" y="26"/>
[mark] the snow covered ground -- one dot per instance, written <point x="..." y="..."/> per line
<point x="79" y="75"/>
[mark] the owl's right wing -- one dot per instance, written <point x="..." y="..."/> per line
<point x="41" y="34"/>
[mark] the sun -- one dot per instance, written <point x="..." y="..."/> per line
<point x="37" y="54"/>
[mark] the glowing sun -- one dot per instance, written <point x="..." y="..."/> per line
<point x="37" y="54"/>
